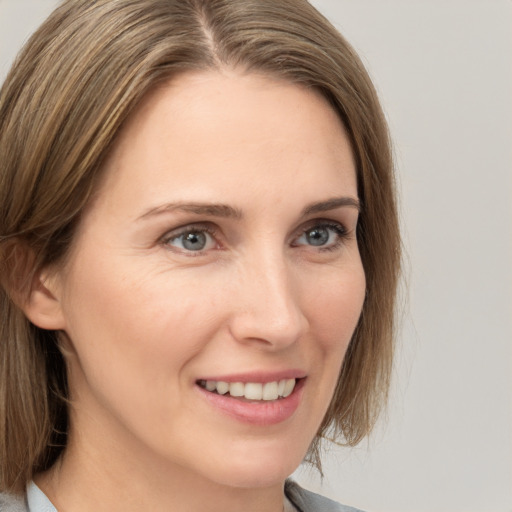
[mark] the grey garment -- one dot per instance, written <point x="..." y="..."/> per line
<point x="302" y="500"/>
<point x="10" y="503"/>
<point x="34" y="501"/>
<point x="307" y="501"/>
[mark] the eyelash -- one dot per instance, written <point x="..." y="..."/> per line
<point x="192" y="228"/>
<point x="338" y="228"/>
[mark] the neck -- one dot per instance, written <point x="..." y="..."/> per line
<point x="103" y="478"/>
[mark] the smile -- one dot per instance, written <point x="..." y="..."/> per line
<point x="252" y="402"/>
<point x="251" y="390"/>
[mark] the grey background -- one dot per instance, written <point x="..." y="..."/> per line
<point x="444" y="73"/>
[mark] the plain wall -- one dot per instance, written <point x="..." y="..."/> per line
<point x="444" y="73"/>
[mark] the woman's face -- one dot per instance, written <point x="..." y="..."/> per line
<point x="219" y="253"/>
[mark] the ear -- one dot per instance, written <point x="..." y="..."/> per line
<point x="36" y="292"/>
<point x="42" y="305"/>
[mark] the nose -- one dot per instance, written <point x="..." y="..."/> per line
<point x="268" y="308"/>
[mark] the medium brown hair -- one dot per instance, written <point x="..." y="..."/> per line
<point x="64" y="101"/>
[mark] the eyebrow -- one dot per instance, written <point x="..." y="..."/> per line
<point x="209" y="209"/>
<point x="226" y="211"/>
<point x="331" y="204"/>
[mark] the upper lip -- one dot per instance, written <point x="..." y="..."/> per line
<point x="257" y="376"/>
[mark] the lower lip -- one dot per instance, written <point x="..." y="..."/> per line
<point x="262" y="413"/>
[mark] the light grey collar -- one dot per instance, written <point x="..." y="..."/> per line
<point x="37" y="500"/>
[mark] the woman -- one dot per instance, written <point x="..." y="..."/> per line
<point x="199" y="256"/>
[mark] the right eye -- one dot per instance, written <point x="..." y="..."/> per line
<point x="325" y="235"/>
<point x="191" y="240"/>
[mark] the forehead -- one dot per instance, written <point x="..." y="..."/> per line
<point x="205" y="132"/>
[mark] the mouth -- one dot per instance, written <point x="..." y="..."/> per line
<point x="251" y="391"/>
<point x="248" y="401"/>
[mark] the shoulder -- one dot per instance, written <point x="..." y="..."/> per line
<point x="307" y="501"/>
<point x="11" y="503"/>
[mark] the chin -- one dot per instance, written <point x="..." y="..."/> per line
<point x="259" y="468"/>
<point x="251" y="477"/>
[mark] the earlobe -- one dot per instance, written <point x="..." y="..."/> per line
<point x="37" y="294"/>
<point x="42" y="306"/>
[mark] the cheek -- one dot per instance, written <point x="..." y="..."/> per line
<point x="132" y="340"/>
<point x="128" y="323"/>
<point x="337" y="307"/>
<point x="336" y="312"/>
<point x="333" y="312"/>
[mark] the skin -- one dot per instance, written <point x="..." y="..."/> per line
<point x="143" y="318"/>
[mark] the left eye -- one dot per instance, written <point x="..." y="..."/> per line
<point x="192" y="240"/>
<point x="322" y="235"/>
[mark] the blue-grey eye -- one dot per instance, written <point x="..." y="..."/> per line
<point x="321" y="236"/>
<point x="192" y="241"/>
<point x="317" y="236"/>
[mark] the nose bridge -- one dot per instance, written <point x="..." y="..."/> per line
<point x="270" y="307"/>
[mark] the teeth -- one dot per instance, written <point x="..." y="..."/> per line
<point x="211" y="385"/>
<point x="222" y="387"/>
<point x="252" y="390"/>
<point x="288" y="387"/>
<point x="236" y="389"/>
<point x="270" y="391"/>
